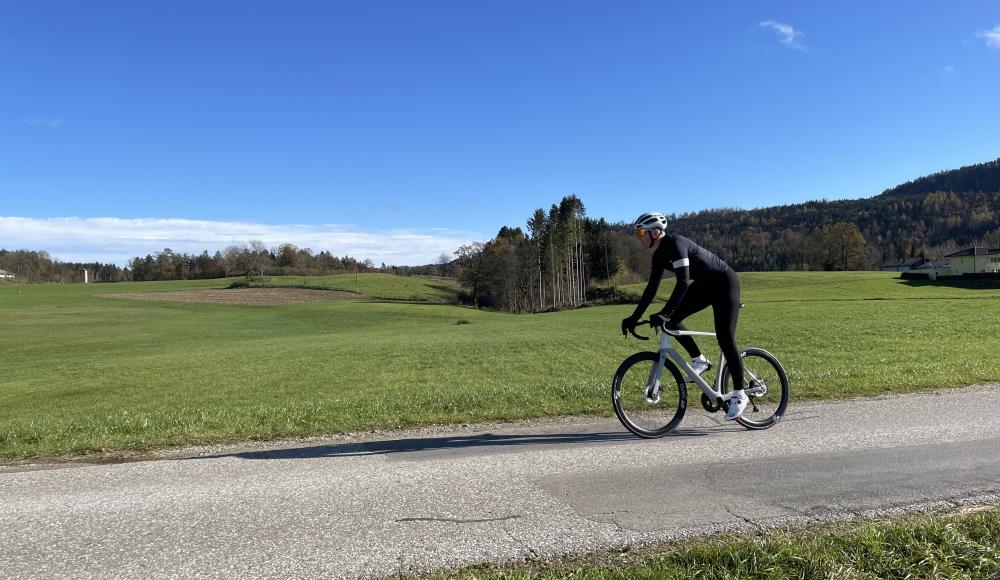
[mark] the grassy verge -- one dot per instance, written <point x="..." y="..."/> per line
<point x="80" y="373"/>
<point x="928" y="546"/>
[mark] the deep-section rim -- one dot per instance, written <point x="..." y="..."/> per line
<point x="785" y="395"/>
<point x="681" y="401"/>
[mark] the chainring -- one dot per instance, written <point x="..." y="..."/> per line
<point x="710" y="405"/>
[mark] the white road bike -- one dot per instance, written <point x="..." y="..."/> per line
<point x="649" y="408"/>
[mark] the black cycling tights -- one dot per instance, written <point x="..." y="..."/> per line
<point x="722" y="293"/>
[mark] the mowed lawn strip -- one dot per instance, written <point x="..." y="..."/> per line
<point x="957" y="545"/>
<point x="82" y="373"/>
<point x="379" y="285"/>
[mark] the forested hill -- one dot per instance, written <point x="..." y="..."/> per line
<point x="982" y="177"/>
<point x="931" y="216"/>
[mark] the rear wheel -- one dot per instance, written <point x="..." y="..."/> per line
<point x="766" y="385"/>
<point x="640" y="413"/>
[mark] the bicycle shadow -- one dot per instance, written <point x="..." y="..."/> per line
<point x="483" y="441"/>
<point x="791" y="417"/>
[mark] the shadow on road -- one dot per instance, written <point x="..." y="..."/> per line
<point x="792" y="417"/>
<point x="485" y="440"/>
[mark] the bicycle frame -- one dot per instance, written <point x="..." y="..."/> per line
<point x="666" y="350"/>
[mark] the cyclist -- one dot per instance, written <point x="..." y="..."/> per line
<point x="703" y="280"/>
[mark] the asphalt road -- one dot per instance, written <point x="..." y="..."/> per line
<point x="423" y="500"/>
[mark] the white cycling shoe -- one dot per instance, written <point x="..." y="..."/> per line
<point x="737" y="404"/>
<point x="699" y="365"/>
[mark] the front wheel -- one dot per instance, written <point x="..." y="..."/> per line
<point x="766" y="385"/>
<point x="640" y="413"/>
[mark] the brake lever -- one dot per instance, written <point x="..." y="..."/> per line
<point x="632" y="331"/>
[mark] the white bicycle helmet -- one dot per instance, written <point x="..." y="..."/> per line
<point x="653" y="220"/>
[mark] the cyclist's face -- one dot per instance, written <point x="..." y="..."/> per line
<point x="653" y="239"/>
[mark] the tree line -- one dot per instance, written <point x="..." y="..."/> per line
<point x="39" y="266"/>
<point x="253" y="260"/>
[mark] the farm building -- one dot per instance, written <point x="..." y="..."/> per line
<point x="5" y="275"/>
<point x="904" y="265"/>
<point x="934" y="268"/>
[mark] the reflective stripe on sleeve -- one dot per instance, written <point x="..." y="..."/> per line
<point x="683" y="262"/>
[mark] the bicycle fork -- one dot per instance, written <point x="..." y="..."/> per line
<point x="653" y="382"/>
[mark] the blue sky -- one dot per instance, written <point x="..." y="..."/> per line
<point x="361" y="126"/>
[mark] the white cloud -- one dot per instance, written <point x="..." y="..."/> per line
<point x="49" y="122"/>
<point x="950" y="70"/>
<point x="117" y="240"/>
<point x="992" y="37"/>
<point x="785" y="33"/>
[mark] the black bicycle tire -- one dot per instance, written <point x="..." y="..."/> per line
<point x="623" y="417"/>
<point x="782" y="406"/>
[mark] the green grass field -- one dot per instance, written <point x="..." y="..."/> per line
<point x="381" y="286"/>
<point x="82" y="373"/>
<point x="957" y="545"/>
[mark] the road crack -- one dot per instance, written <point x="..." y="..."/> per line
<point x="756" y="526"/>
<point x="457" y="520"/>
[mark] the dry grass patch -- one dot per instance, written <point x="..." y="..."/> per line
<point x="242" y="296"/>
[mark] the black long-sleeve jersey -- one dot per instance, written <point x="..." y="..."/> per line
<point x="687" y="260"/>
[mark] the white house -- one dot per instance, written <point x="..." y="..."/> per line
<point x="5" y="275"/>
<point x="975" y="260"/>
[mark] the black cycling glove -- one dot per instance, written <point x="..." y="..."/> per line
<point x="658" y="320"/>
<point x="628" y="324"/>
